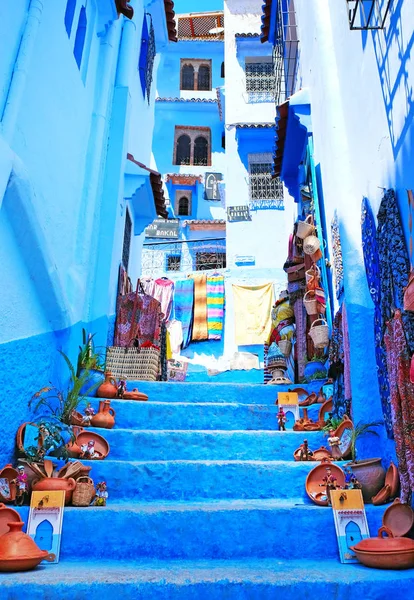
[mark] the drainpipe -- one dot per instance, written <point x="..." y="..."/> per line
<point x="126" y="53"/>
<point x="21" y="68"/>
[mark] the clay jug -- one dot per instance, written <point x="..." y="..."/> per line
<point x="108" y="388"/>
<point x="105" y="417"/>
<point x="18" y="552"/>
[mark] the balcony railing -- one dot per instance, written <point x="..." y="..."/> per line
<point x="366" y="15"/>
<point x="286" y="51"/>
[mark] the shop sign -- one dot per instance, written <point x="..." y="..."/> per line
<point x="211" y="186"/>
<point x="244" y="260"/>
<point x="238" y="213"/>
<point x="163" y="228"/>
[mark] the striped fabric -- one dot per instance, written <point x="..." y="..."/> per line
<point x="200" y="329"/>
<point x="215" y="306"/>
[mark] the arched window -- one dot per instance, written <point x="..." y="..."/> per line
<point x="183" y="152"/>
<point x="187" y="77"/>
<point x="69" y="14"/>
<point x="183" y="207"/>
<point x="201" y="151"/>
<point x="80" y="37"/>
<point x="203" y="81"/>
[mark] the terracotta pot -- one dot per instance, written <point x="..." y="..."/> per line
<point x="385" y="553"/>
<point x="322" y="453"/>
<point x="49" y="484"/>
<point x="18" y="552"/>
<point x="392" y="478"/>
<point x="7" y="515"/>
<point x="313" y="486"/>
<point x="76" y="418"/>
<point x="371" y="475"/>
<point x="382" y="497"/>
<point x="105" y="417"/>
<point x="73" y="450"/>
<point x="398" y="518"/>
<point x="326" y="407"/>
<point x="135" y="395"/>
<point x="101" y="445"/>
<point x="108" y="388"/>
<point x="20" y="438"/>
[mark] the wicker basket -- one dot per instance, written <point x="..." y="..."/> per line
<point x="319" y="333"/>
<point x="134" y="364"/>
<point x="285" y="347"/>
<point x="305" y="227"/>
<point x="84" y="492"/>
<point x="313" y="276"/>
<point x="311" y="244"/>
<point x="311" y="304"/>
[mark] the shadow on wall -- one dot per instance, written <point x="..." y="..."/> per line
<point x="395" y="68"/>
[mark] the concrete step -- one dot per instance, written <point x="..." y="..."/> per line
<point x="241" y="393"/>
<point x="197" y="480"/>
<point x="127" y="444"/>
<point x="228" y="529"/>
<point x="264" y="579"/>
<point x="192" y="415"/>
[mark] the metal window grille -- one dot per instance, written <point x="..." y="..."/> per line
<point x="187" y="77"/>
<point x="286" y="51"/>
<point x="367" y="14"/>
<point x="265" y="192"/>
<point x="174" y="262"/>
<point x="260" y="81"/>
<point x="127" y="240"/>
<point x="151" y="52"/>
<point x="183" y="207"/>
<point x="203" y="81"/>
<point x="183" y="153"/>
<point x="210" y="260"/>
<point x="201" y="151"/>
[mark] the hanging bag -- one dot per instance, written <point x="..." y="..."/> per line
<point x="409" y="290"/>
<point x="319" y="332"/>
<point x="305" y="228"/>
<point x="311" y="244"/>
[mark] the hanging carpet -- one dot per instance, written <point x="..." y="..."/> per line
<point x="215" y="306"/>
<point x="252" y="313"/>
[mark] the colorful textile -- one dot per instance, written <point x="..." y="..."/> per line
<point x="371" y="261"/>
<point x="164" y="352"/>
<point x="138" y="316"/>
<point x="252" y="313"/>
<point x="200" y="330"/>
<point x="148" y="285"/>
<point x="338" y="269"/>
<point x="175" y="331"/>
<point x="215" y="306"/>
<point x="347" y="356"/>
<point x="301" y="345"/>
<point x="163" y="292"/>
<point x="183" y="305"/>
<point x="402" y="402"/>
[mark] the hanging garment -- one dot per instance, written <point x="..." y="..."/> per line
<point x="163" y="292"/>
<point x="175" y="331"/>
<point x="183" y="307"/>
<point x="164" y="351"/>
<point x="200" y="329"/>
<point x="148" y="285"/>
<point x="402" y="402"/>
<point x="252" y="313"/>
<point x="301" y="343"/>
<point x="347" y="356"/>
<point x="215" y="306"/>
<point x="372" y="269"/>
<point x="282" y="325"/>
<point x="138" y="316"/>
<point x="394" y="264"/>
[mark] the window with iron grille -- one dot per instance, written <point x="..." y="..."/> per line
<point x="174" y="262"/>
<point x="200" y="151"/>
<point x="195" y="74"/>
<point x="260" y="80"/>
<point x="183" y="207"/>
<point x="183" y="153"/>
<point x="210" y="260"/>
<point x="127" y="240"/>
<point x="187" y="77"/>
<point x="147" y="56"/>
<point x="265" y="192"/>
<point x="203" y="79"/>
<point x="192" y="145"/>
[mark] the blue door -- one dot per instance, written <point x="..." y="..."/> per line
<point x="44" y="535"/>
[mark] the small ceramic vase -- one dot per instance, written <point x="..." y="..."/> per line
<point x="105" y="417"/>
<point x="109" y="388"/>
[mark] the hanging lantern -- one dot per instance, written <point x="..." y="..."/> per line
<point x="367" y="14"/>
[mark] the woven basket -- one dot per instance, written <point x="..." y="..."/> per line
<point x="305" y="227"/>
<point x="311" y="244"/>
<point x="285" y="347"/>
<point x="311" y="304"/>
<point x="84" y="492"/>
<point x="134" y="364"/>
<point x="319" y="333"/>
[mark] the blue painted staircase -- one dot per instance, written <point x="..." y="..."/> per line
<point x="205" y="502"/>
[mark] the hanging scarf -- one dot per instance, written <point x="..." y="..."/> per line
<point x="371" y="261"/>
<point x="402" y="402"/>
<point x="394" y="265"/>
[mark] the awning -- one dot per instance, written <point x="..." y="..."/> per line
<point x="156" y="185"/>
<point x="293" y="127"/>
<point x="206" y="224"/>
<point x="208" y="26"/>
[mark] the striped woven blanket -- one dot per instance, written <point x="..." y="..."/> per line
<point x="183" y="303"/>
<point x="200" y="330"/>
<point x="215" y="306"/>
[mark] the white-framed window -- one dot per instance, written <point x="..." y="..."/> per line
<point x="260" y="79"/>
<point x="264" y="190"/>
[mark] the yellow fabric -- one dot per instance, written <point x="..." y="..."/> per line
<point x="281" y="312"/>
<point x="252" y="313"/>
<point x="169" y="351"/>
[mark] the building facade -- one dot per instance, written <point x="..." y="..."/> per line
<point x="76" y="103"/>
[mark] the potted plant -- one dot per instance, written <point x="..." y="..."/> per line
<point x="369" y="472"/>
<point x="315" y="368"/>
<point x="90" y="360"/>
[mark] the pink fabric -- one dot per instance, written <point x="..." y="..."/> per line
<point x="148" y="285"/>
<point x="163" y="292"/>
<point x="402" y="402"/>
<point x="347" y="355"/>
